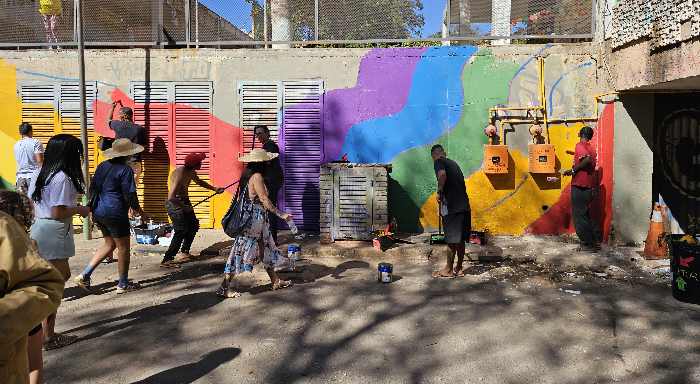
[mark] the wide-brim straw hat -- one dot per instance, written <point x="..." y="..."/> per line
<point x="258" y="155"/>
<point x="121" y="148"/>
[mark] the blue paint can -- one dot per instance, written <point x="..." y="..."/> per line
<point x="385" y="271"/>
<point x="293" y="253"/>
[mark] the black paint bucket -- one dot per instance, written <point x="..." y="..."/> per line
<point x="685" y="270"/>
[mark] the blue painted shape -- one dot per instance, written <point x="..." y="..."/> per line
<point x="436" y="92"/>
<point x="550" y="102"/>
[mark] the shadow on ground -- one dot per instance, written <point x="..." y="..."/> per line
<point x="341" y="323"/>
<point x="189" y="373"/>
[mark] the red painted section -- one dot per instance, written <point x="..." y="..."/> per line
<point x="602" y="210"/>
<point x="225" y="138"/>
<point x="557" y="220"/>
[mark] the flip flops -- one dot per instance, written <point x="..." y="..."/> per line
<point x="226" y="293"/>
<point x="59" y="340"/>
<point x="440" y="275"/>
<point x="170" y="264"/>
<point x="281" y="284"/>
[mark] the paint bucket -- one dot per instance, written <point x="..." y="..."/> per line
<point x="385" y="271"/>
<point x="293" y="253"/>
<point x="685" y="270"/>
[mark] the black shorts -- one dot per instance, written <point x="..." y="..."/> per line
<point x="114" y="228"/>
<point x="457" y="227"/>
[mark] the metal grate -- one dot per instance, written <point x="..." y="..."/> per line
<point x="153" y="112"/>
<point x="301" y="149"/>
<point x="257" y="23"/>
<point x="259" y="105"/>
<point x="193" y="102"/>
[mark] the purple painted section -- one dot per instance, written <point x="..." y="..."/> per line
<point x="300" y="148"/>
<point x="382" y="89"/>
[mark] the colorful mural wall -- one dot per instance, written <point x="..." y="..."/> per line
<point x="403" y="101"/>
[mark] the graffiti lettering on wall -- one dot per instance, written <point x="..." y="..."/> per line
<point x="407" y="99"/>
<point x="184" y="69"/>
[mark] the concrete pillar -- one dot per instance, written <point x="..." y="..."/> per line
<point x="500" y="21"/>
<point x="633" y="166"/>
<point x="446" y="24"/>
<point x="281" y="25"/>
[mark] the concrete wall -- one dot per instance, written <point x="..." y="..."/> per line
<point x="637" y="66"/>
<point x="381" y="105"/>
<point x="634" y="166"/>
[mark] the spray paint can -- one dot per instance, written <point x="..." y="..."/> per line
<point x="384" y="272"/>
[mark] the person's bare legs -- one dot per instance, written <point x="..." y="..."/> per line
<point x="52" y="339"/>
<point x="447" y="271"/>
<point x="49" y="323"/>
<point x="229" y="287"/>
<point x="53" y="19"/>
<point x="103" y="252"/>
<point x="123" y="245"/>
<point x="277" y="283"/>
<point x="36" y="358"/>
<point x="47" y="29"/>
<point x="459" y="268"/>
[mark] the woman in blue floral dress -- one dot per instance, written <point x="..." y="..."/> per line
<point x="255" y="244"/>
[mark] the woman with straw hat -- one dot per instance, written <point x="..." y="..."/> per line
<point x="113" y="191"/>
<point x="255" y="244"/>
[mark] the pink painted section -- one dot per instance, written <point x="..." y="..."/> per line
<point x="225" y="139"/>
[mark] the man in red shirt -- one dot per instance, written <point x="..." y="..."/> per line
<point x="583" y="186"/>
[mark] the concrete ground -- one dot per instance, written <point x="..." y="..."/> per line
<point x="544" y="314"/>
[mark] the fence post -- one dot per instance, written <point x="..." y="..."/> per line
<point x="500" y="24"/>
<point x="446" y="23"/>
<point x="316" y="34"/>
<point x="188" y="24"/>
<point x="265" y="16"/>
<point x="196" y="23"/>
<point x="594" y="19"/>
<point x="157" y="20"/>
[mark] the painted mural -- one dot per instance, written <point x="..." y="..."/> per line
<point x="404" y="101"/>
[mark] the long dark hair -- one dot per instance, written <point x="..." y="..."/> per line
<point x="63" y="153"/>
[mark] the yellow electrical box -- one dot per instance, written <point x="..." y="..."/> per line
<point x="542" y="158"/>
<point x="495" y="159"/>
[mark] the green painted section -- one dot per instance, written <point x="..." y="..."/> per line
<point x="486" y="83"/>
<point x="4" y="184"/>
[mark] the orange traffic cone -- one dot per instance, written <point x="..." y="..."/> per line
<point x="655" y="247"/>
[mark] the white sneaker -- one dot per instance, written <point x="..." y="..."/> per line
<point x="129" y="288"/>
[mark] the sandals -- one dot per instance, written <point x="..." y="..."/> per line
<point x="184" y="258"/>
<point x="169" y="264"/>
<point x="281" y="284"/>
<point x="227" y="293"/>
<point x="440" y="275"/>
<point x="130" y="287"/>
<point x="83" y="283"/>
<point x="59" y="340"/>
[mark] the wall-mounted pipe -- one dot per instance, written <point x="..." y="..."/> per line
<point x="493" y="112"/>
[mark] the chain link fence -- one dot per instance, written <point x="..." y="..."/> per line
<point x="231" y="23"/>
